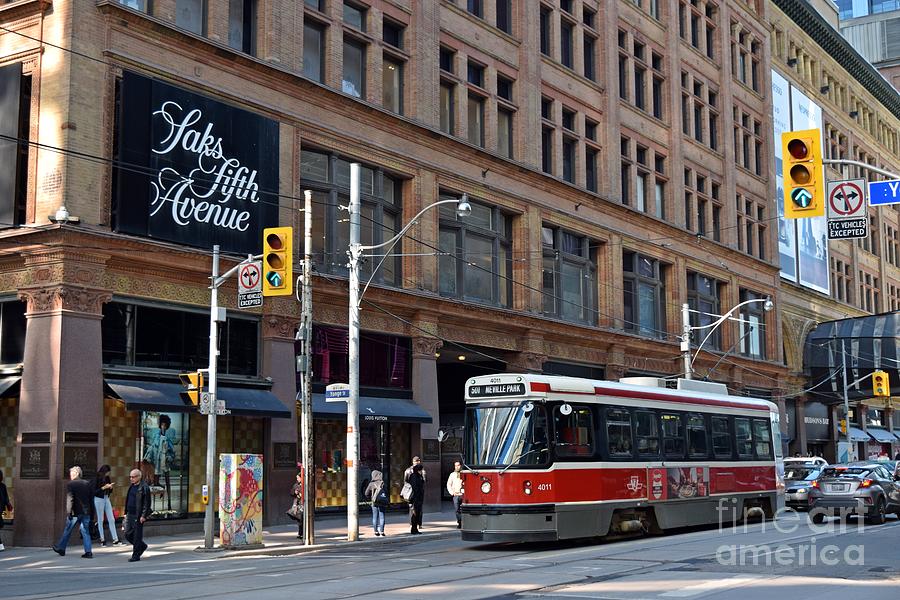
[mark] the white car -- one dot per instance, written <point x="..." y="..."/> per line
<point x="806" y="460"/>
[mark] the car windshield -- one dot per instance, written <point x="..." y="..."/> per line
<point x="845" y="472"/>
<point x="801" y="473"/>
<point x="506" y="435"/>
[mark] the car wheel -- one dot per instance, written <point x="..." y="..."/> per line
<point x="877" y="517"/>
<point x="818" y="518"/>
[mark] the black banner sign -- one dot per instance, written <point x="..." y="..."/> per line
<point x="193" y="170"/>
<point x="496" y="389"/>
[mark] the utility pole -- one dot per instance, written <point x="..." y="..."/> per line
<point x="353" y="360"/>
<point x="686" y="339"/>
<point x="305" y="359"/>
<point x="846" y="401"/>
<point x="209" y="518"/>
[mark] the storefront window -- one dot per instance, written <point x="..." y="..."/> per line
<point x="384" y="359"/>
<point x="164" y="461"/>
<point x="12" y="332"/>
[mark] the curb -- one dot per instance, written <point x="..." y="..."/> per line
<point x="289" y="550"/>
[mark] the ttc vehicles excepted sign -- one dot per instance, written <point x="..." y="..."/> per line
<point x="847" y="211"/>
<point x="250" y="285"/>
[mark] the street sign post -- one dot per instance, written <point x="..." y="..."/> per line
<point x="250" y="285"/>
<point x="847" y="210"/>
<point x="884" y="192"/>
<point x="337" y="392"/>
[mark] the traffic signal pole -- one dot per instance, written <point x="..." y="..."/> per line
<point x="306" y="414"/>
<point x="208" y="518"/>
<point x="846" y="400"/>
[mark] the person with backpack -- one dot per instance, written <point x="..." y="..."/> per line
<point x="376" y="493"/>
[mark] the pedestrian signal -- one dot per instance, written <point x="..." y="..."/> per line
<point x="881" y="386"/>
<point x="194" y="384"/>
<point x="804" y="179"/>
<point x="277" y="261"/>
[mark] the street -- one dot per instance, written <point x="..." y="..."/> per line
<point x="789" y="558"/>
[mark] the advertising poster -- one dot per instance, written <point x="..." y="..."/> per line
<point x="812" y="233"/>
<point x="163" y="461"/>
<point x="677" y="483"/>
<point x="240" y="499"/>
<point x="787" y="228"/>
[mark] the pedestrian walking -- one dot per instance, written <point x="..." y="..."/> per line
<point x="137" y="511"/>
<point x="417" y="498"/>
<point x="455" y="489"/>
<point x="5" y="506"/>
<point x="79" y="500"/>
<point x="296" y="510"/>
<point x="376" y="493"/>
<point x="103" y="487"/>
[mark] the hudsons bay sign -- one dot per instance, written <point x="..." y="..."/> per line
<point x="193" y="170"/>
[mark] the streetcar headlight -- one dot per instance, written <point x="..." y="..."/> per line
<point x="485" y="487"/>
<point x="527" y="488"/>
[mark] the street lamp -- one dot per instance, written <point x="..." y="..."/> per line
<point x="687" y="328"/>
<point x="463" y="209"/>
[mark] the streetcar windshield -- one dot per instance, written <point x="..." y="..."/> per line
<point x="506" y="435"/>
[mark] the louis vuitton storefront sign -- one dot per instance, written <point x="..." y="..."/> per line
<point x="193" y="170"/>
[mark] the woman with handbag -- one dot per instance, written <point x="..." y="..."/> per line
<point x="296" y="510"/>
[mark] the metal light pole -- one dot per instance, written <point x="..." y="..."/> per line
<point x="208" y="518"/>
<point x="686" y="339"/>
<point x="846" y="401"/>
<point x="463" y="209"/>
<point x="306" y="416"/>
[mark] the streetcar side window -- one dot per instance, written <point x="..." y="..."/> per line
<point x="618" y="432"/>
<point x="762" y="438"/>
<point x="696" y="429"/>
<point x="743" y="438"/>
<point x="721" y="437"/>
<point x="574" y="432"/>
<point x="646" y="432"/>
<point x="673" y="435"/>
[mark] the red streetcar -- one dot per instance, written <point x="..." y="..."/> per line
<point x="550" y="458"/>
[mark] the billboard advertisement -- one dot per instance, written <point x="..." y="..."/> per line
<point x="787" y="228"/>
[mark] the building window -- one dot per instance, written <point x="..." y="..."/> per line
<point x="590" y="169"/>
<point x="505" y="132"/>
<point x="447" y="58"/>
<point x="476" y="264"/>
<point x="590" y="57"/>
<point x="643" y="293"/>
<point x="748" y="142"/>
<point x="842" y="281"/>
<point x="448" y="108"/>
<point x="869" y="292"/>
<point x="569" y="276"/>
<point x="697" y="24"/>
<point x="12" y="332"/>
<point x="393" y="34"/>
<point x="545" y="31"/>
<point x="355" y="16"/>
<point x="567" y="44"/>
<point x="745" y="57"/>
<point x="752" y="326"/>
<point x="625" y="170"/>
<point x="384" y="359"/>
<point x="314" y="4"/>
<point x="354" y="77"/>
<point x="699" y="111"/>
<point x="569" y="145"/>
<point x="504" y="15"/>
<point x="313" y="51"/>
<point x="242" y="25"/>
<point x="475" y="7"/>
<point x="588" y="17"/>
<point x="751" y="225"/>
<point x="476" y="119"/>
<point x="381" y="199"/>
<point x="392" y="85"/>
<point x="547" y="150"/>
<point x="189" y="15"/>
<point x="703" y="297"/>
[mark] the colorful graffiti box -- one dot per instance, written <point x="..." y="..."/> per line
<point x="240" y="499"/>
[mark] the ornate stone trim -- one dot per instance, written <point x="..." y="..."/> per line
<point x="64" y="298"/>
<point x="279" y="327"/>
<point x="425" y="347"/>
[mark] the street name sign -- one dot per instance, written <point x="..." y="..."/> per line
<point x="884" y="192"/>
<point x="250" y="285"/>
<point x="337" y="392"/>
<point x="847" y="210"/>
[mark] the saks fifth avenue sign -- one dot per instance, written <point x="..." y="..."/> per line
<point x="210" y="171"/>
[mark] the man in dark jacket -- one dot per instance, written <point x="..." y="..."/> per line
<point x="417" y="481"/>
<point x="79" y="499"/>
<point x="137" y="511"/>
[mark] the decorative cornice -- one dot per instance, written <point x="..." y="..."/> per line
<point x="425" y="347"/>
<point x="65" y="298"/>
<point x="279" y="327"/>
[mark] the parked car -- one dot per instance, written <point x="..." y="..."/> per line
<point x="816" y="460"/>
<point x="865" y="489"/>
<point x="798" y="478"/>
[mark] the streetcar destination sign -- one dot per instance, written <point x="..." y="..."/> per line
<point x="496" y="389"/>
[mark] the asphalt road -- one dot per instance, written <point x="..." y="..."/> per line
<point x="789" y="558"/>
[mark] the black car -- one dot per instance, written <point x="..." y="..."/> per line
<point x="865" y="489"/>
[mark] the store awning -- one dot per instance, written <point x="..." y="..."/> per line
<point x="161" y="396"/>
<point x="856" y="435"/>
<point x="373" y="409"/>
<point x="882" y="435"/>
<point x="8" y="382"/>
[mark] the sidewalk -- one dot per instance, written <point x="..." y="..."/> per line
<point x="279" y="540"/>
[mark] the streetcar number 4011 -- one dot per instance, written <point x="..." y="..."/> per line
<point x="544" y="487"/>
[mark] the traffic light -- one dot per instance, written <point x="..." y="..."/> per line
<point x="843" y="426"/>
<point x="194" y="384"/>
<point x="278" y="252"/>
<point x="880" y="384"/>
<point x="804" y="179"/>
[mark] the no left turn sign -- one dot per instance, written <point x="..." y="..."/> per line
<point x="250" y="285"/>
<point x="847" y="199"/>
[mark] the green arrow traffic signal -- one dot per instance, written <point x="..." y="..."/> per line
<point x="801" y="197"/>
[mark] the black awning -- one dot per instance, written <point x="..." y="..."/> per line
<point x="373" y="409"/>
<point x="8" y="382"/>
<point x="162" y="396"/>
<point x="872" y="343"/>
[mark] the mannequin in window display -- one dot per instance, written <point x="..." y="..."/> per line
<point x="160" y="452"/>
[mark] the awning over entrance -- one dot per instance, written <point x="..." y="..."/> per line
<point x="856" y="435"/>
<point x="8" y="382"/>
<point x="882" y="435"/>
<point x="161" y="396"/>
<point x="372" y="409"/>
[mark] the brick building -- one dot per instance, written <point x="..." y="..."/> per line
<point x="618" y="158"/>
